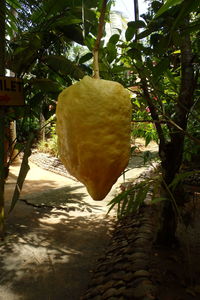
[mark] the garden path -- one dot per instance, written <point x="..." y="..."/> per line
<point x="50" y="248"/>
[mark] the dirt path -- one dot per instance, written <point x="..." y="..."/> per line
<point x="52" y="246"/>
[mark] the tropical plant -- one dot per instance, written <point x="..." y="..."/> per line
<point x="162" y="54"/>
<point x="49" y="145"/>
<point x="162" y="50"/>
<point x="39" y="36"/>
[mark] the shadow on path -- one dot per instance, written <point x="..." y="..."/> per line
<point x="50" y="255"/>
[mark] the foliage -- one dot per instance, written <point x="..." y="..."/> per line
<point x="49" y="145"/>
<point x="162" y="53"/>
<point x="129" y="200"/>
<point x="42" y="34"/>
<point x="191" y="148"/>
<point x="156" y="55"/>
<point x="142" y="125"/>
<point x="134" y="195"/>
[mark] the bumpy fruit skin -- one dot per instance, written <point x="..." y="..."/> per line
<point x="93" y="128"/>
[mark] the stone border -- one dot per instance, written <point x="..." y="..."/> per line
<point x="50" y="163"/>
<point x="123" y="272"/>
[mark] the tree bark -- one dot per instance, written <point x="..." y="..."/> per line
<point x="42" y="126"/>
<point x="172" y="151"/>
<point x="2" y="116"/>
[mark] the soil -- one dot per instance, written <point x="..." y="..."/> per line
<point x="51" y="244"/>
<point x="176" y="270"/>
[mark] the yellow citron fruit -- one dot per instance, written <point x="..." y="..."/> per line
<point x="93" y="128"/>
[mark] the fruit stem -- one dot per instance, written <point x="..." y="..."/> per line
<point x="98" y="40"/>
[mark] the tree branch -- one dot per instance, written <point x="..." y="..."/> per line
<point x="98" y="40"/>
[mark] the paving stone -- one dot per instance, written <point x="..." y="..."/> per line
<point x="139" y="280"/>
<point x="128" y="277"/>
<point x="122" y="266"/>
<point x="140" y="242"/>
<point x="118" y="275"/>
<point x="145" y="228"/>
<point x="139" y="264"/>
<point x="100" y="289"/>
<point x="138" y="255"/>
<point x="105" y="267"/>
<point x="143" y="290"/>
<point x="150" y="297"/>
<point x="119" y="284"/>
<point x="98" y="280"/>
<point x="109" y="284"/>
<point x="145" y="235"/>
<point x="109" y="293"/>
<point x="128" y="250"/>
<point x="120" y="291"/>
<point x="124" y="243"/>
<point x="141" y="273"/>
<point x="128" y="294"/>
<point x="118" y="259"/>
<point x="98" y="297"/>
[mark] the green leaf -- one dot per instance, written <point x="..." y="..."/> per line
<point x="168" y="4"/>
<point x="89" y="42"/>
<point x="13" y="3"/>
<point x="156" y="5"/>
<point x="160" y="42"/>
<point x="65" y="21"/>
<point x="119" y="69"/>
<point x="91" y="3"/>
<point x="147" y="156"/>
<point x="132" y="29"/>
<point x="134" y="54"/>
<point x="172" y="80"/>
<point x="140" y="196"/>
<point x="117" y="200"/>
<point x="180" y="177"/>
<point x="85" y="58"/>
<point x="111" y="52"/>
<point x="64" y="66"/>
<point x="52" y="7"/>
<point x="72" y="32"/>
<point x="46" y="85"/>
<point x="124" y="204"/>
<point x="144" y="34"/>
<point x="186" y="8"/>
<point x="114" y="39"/>
<point x="154" y="38"/>
<point x="158" y="199"/>
<point x="161" y="67"/>
<point x="193" y="26"/>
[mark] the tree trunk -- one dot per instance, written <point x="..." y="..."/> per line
<point x="2" y="116"/>
<point x="13" y="138"/>
<point x="172" y="152"/>
<point x="42" y="126"/>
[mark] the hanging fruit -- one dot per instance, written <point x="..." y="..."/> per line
<point x="93" y="128"/>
